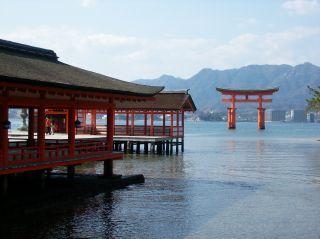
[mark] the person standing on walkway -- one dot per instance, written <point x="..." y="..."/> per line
<point x="48" y="125"/>
<point x="52" y="127"/>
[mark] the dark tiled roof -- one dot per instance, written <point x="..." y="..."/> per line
<point x="37" y="66"/>
<point x="166" y="100"/>
<point x="28" y="50"/>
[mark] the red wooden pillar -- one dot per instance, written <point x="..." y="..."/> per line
<point x="171" y="124"/>
<point x="4" y="133"/>
<point x="231" y="118"/>
<point x="110" y="128"/>
<point x="261" y="114"/>
<point x="261" y="118"/>
<point x="164" y="124"/>
<point x="127" y="123"/>
<point x="177" y="122"/>
<point x="72" y="131"/>
<point x="84" y="117"/>
<point x="31" y="127"/>
<point x="41" y="133"/>
<point x="94" y="121"/>
<point x="108" y="164"/>
<point x="132" y="123"/>
<point x="145" y="123"/>
<point x="66" y="120"/>
<point x="232" y="113"/>
<point x="182" y="122"/>
<point x="84" y="120"/>
<point x="151" y="124"/>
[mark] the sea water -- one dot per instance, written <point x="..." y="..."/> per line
<point x="243" y="183"/>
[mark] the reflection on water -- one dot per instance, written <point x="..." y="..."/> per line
<point x="228" y="184"/>
<point x="86" y="218"/>
<point x="169" y="208"/>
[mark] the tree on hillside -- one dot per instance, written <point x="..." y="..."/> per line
<point x="314" y="102"/>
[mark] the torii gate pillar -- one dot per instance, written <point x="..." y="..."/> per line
<point x="261" y="118"/>
<point x="231" y="118"/>
<point x="261" y="114"/>
<point x="232" y="113"/>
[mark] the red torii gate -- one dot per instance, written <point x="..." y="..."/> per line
<point x="244" y="94"/>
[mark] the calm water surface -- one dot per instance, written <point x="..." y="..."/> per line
<point x="243" y="183"/>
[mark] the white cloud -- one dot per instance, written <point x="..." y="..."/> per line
<point x="247" y="22"/>
<point x="287" y="47"/>
<point x="301" y="7"/>
<point x="111" y="40"/>
<point x="130" y="58"/>
<point x="88" y="3"/>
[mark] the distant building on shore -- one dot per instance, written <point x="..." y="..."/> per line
<point x="311" y="117"/>
<point x="298" y="116"/>
<point x="275" y="115"/>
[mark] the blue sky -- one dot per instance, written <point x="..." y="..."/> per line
<point x="131" y="39"/>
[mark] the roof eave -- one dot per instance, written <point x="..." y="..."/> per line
<point x="72" y="87"/>
<point x="226" y="90"/>
<point x="193" y="107"/>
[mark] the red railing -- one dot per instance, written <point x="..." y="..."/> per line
<point x="87" y="129"/>
<point x="19" y="153"/>
<point x="87" y="147"/>
<point x="140" y="130"/>
<point x="57" y="151"/>
<point x="137" y="130"/>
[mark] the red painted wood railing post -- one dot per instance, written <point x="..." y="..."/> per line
<point x="31" y="127"/>
<point x="110" y="128"/>
<point x="182" y="127"/>
<point x="84" y="120"/>
<point x="71" y="132"/>
<point x="4" y="133"/>
<point x="151" y="124"/>
<point x="145" y="123"/>
<point x="41" y="134"/>
<point x="108" y="164"/>
<point x="94" y="121"/>
<point x="182" y="122"/>
<point x="132" y="123"/>
<point x="171" y="123"/>
<point x="127" y="124"/>
<point x="178" y="123"/>
<point x="164" y="124"/>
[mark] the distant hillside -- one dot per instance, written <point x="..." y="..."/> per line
<point x="292" y="80"/>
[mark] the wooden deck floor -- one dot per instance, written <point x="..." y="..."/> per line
<point x="150" y="139"/>
<point x="19" y="135"/>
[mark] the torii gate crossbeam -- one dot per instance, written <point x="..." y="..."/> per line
<point x="246" y="96"/>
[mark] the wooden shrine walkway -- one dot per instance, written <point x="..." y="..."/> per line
<point x="121" y="143"/>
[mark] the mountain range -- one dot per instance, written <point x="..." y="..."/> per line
<point x="291" y="80"/>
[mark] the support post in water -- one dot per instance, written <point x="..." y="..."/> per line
<point x="146" y="150"/>
<point x="70" y="171"/>
<point x="138" y="148"/>
<point x="108" y="168"/>
<point x="108" y="164"/>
